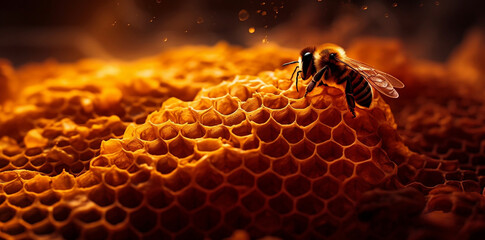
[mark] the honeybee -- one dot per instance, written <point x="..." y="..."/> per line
<point x="329" y="66"/>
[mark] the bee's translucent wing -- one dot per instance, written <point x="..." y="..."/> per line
<point x="381" y="81"/>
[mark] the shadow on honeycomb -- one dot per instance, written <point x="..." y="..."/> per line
<point x="225" y="147"/>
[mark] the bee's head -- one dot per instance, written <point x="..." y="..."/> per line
<point x="307" y="62"/>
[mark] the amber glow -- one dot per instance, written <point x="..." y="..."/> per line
<point x="193" y="146"/>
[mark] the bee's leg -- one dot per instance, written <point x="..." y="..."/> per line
<point x="349" y="94"/>
<point x="317" y="77"/>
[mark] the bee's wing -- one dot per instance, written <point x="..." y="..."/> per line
<point x="381" y="81"/>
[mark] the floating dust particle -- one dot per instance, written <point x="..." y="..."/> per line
<point x="200" y="20"/>
<point x="437" y="3"/>
<point x="263" y="13"/>
<point x="421" y="4"/>
<point x="243" y="15"/>
<point x="129" y="24"/>
<point x="319" y="0"/>
<point x="265" y="39"/>
<point x="266" y="26"/>
<point x="159" y="1"/>
<point x="114" y="23"/>
<point x="364" y="7"/>
<point x="165" y="39"/>
<point x="386" y="15"/>
<point x="276" y="10"/>
<point x="394" y="4"/>
<point x="263" y="3"/>
<point x="258" y="11"/>
<point x="251" y="30"/>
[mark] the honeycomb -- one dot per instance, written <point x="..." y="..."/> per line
<point x="215" y="142"/>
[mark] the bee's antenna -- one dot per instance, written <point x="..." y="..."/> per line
<point x="288" y="63"/>
<point x="291" y="78"/>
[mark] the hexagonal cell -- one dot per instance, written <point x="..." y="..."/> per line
<point x="115" y="215"/>
<point x="102" y="195"/>
<point x="252" y="104"/>
<point x="319" y="133"/>
<point x="129" y="197"/>
<point x="275" y="101"/>
<point x="201" y="104"/>
<point x="357" y="153"/>
<point x="268" y="132"/>
<point x="285" y="166"/>
<point x="341" y="169"/>
<point x="343" y="135"/>
<point x="181" y="147"/>
<point x="313" y="167"/>
<point x="253" y="201"/>
<point x="166" y="165"/>
<point x="6" y="213"/>
<point x="275" y="149"/>
<point x="61" y="212"/>
<point x="355" y="187"/>
<point x="310" y="204"/>
<point x="226" y="105"/>
<point x="261" y="116"/>
<point x="224" y="197"/>
<point x="157" y="147"/>
<point x="116" y="177"/>
<point x="430" y="178"/>
<point x="297" y="185"/>
<point x="282" y="203"/>
<point x="174" y="219"/>
<point x="269" y="183"/>
<point x="331" y="117"/>
<point x="168" y="132"/>
<point x="293" y="134"/>
<point x="207" y="177"/>
<point x="88" y="216"/>
<point x="206" y="218"/>
<point x="194" y="130"/>
<point x="329" y="151"/>
<point x="218" y="132"/>
<point x="241" y="177"/>
<point x="369" y="172"/>
<point x="210" y="118"/>
<point x="295" y="224"/>
<point x="237" y="218"/>
<point x="208" y="145"/>
<point x="144" y="219"/>
<point x="235" y="118"/>
<point x="326" y="187"/>
<point x="340" y="206"/>
<point x="159" y="198"/>
<point x="21" y="200"/>
<point x="303" y="149"/>
<point x="256" y="163"/>
<point x="284" y="117"/>
<point x="306" y="117"/>
<point x="49" y="198"/>
<point x="178" y="179"/>
<point x="242" y="130"/>
<point x="191" y="198"/>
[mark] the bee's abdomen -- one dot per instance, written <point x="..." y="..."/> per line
<point x="362" y="91"/>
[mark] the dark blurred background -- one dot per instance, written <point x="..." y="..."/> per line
<point x="32" y="30"/>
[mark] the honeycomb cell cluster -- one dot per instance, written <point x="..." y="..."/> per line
<point x="216" y="142"/>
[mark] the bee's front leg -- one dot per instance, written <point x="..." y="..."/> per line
<point x="349" y="95"/>
<point x="316" y="78"/>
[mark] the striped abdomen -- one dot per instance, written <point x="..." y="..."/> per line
<point x="361" y="89"/>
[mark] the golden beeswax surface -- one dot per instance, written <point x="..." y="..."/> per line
<point x="216" y="142"/>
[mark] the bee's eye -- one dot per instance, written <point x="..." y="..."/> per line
<point x="332" y="55"/>
<point x="307" y="54"/>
